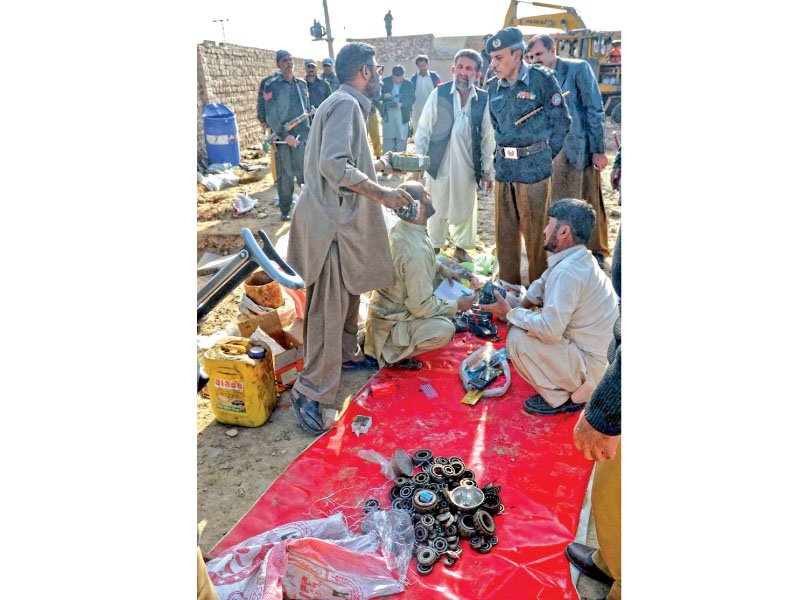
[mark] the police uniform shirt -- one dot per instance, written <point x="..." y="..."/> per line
<point x="536" y="86"/>
<point x="318" y="90"/>
<point x="332" y="80"/>
<point x="283" y="101"/>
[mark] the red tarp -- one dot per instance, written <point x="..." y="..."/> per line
<point x="542" y="475"/>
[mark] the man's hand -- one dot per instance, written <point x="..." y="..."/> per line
<point x="386" y="159"/>
<point x="465" y="302"/>
<point x="616" y="177"/>
<point x="395" y="198"/>
<point x="291" y="141"/>
<point x="448" y="273"/>
<point x="499" y="308"/>
<point x="599" y="160"/>
<point x="486" y="181"/>
<point x="528" y="304"/>
<point x="594" y="445"/>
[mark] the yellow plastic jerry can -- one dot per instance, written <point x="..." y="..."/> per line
<point x="241" y="384"/>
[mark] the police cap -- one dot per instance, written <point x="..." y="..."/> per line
<point x="327" y="61"/>
<point x="503" y="39"/>
<point x="311" y="63"/>
<point x="281" y="54"/>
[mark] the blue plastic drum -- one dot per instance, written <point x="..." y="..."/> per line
<point x="222" y="134"/>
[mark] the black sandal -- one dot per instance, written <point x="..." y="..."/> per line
<point x="307" y="413"/>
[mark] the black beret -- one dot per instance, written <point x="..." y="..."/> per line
<point x="503" y="39"/>
<point x="280" y="54"/>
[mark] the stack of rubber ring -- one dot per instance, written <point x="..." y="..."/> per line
<point x="439" y="524"/>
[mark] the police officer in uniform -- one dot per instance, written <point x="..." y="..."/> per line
<point x="318" y="89"/>
<point x="328" y="74"/>
<point x="282" y="97"/>
<point x="525" y="151"/>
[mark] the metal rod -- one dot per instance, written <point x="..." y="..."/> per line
<point x="328" y="29"/>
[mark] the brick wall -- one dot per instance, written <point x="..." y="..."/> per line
<point x="230" y="75"/>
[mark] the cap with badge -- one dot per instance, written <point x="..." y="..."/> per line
<point x="311" y="63"/>
<point x="503" y="39"/>
<point x="281" y="54"/>
<point x="327" y="61"/>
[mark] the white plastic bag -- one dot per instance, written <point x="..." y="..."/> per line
<point x="474" y="360"/>
<point x="319" y="559"/>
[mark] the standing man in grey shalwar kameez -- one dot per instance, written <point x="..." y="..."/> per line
<point x="397" y="100"/>
<point x="338" y="241"/>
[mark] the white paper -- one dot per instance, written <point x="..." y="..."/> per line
<point x="448" y="291"/>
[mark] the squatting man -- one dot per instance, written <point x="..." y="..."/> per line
<point x="559" y="335"/>
<point x="406" y="319"/>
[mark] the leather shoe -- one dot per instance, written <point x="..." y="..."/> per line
<point x="580" y="556"/>
<point x="536" y="405"/>
<point x="286" y="218"/>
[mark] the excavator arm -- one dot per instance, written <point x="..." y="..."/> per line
<point x="568" y="19"/>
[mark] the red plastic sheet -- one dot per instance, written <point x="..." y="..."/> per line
<point x="543" y="477"/>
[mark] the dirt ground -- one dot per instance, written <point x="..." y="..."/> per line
<point x="233" y="472"/>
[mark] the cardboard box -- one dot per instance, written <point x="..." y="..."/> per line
<point x="289" y="362"/>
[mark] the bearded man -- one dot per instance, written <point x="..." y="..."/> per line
<point x="455" y="130"/>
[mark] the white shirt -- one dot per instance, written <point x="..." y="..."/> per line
<point x="579" y="303"/>
<point x="422" y="91"/>
<point x="453" y="191"/>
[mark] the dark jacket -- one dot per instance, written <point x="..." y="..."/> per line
<point x="443" y="127"/>
<point x="407" y="96"/>
<point x="280" y="101"/>
<point x="318" y="91"/>
<point x="434" y="78"/>
<point x="536" y="87"/>
<point x="604" y="409"/>
<point x="585" y="105"/>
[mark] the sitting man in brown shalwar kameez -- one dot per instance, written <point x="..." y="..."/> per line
<point x="406" y="319"/>
<point x="338" y="241"/>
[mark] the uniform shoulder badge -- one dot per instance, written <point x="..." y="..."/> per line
<point x="270" y="80"/>
<point x="543" y="69"/>
<point x="556" y="99"/>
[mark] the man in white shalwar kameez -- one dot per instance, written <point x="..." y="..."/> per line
<point x="455" y="130"/>
<point x="561" y="348"/>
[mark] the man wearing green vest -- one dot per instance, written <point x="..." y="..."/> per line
<point x="455" y="130"/>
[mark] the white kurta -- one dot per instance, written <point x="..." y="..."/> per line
<point x="561" y="350"/>
<point x="454" y="191"/>
<point x="422" y="91"/>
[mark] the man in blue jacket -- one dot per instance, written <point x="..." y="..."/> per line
<point x="577" y="168"/>
<point x="397" y="98"/>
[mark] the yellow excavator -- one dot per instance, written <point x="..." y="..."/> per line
<point x="575" y="40"/>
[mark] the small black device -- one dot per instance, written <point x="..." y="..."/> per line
<point x="486" y="295"/>
<point x="408" y="212"/>
<point x="480" y="323"/>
